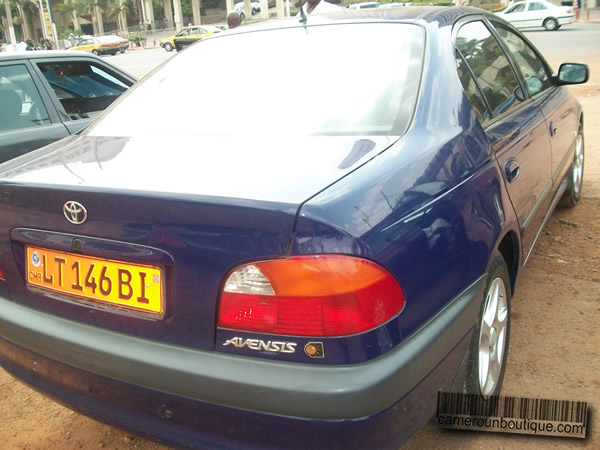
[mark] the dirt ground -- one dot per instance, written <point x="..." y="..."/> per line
<point x="553" y="352"/>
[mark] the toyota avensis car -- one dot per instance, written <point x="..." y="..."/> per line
<point x="310" y="279"/>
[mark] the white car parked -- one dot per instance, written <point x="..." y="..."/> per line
<point x="239" y="8"/>
<point x="538" y="13"/>
<point x="364" y="5"/>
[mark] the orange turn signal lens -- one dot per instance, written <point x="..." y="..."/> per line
<point x="316" y="295"/>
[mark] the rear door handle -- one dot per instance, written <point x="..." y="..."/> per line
<point x="512" y="169"/>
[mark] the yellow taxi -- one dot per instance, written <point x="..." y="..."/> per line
<point x="186" y="36"/>
<point x="96" y="46"/>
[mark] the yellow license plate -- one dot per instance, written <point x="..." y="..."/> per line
<point x="108" y="281"/>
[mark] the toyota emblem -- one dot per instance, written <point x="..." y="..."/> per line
<point x="75" y="212"/>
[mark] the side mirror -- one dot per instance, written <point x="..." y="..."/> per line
<point x="518" y="93"/>
<point x="573" y="73"/>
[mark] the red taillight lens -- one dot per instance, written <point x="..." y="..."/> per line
<point x="317" y="295"/>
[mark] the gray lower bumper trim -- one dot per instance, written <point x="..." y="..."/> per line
<point x="291" y="389"/>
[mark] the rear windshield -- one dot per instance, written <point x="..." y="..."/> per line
<point x="346" y="79"/>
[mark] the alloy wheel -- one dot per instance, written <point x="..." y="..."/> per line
<point x="492" y="337"/>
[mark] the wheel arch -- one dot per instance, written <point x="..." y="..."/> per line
<point x="551" y="18"/>
<point x="509" y="249"/>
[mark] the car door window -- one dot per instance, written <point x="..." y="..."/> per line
<point x="533" y="70"/>
<point x="472" y="90"/>
<point x="536" y="7"/>
<point x="516" y="8"/>
<point x="21" y="106"/>
<point x="490" y="66"/>
<point x="84" y="89"/>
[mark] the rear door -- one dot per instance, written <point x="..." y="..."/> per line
<point x="517" y="15"/>
<point x="536" y="13"/>
<point x="513" y="121"/>
<point x="82" y="87"/>
<point x="559" y="109"/>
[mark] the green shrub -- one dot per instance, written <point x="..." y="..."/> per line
<point x="137" y="38"/>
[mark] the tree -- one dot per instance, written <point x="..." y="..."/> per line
<point x="70" y="7"/>
<point x="120" y="9"/>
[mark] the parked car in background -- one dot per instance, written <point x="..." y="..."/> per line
<point x="270" y="3"/>
<point x="185" y="37"/>
<point x="221" y="26"/>
<point x="395" y="5"/>
<point x="538" y="13"/>
<point x="308" y="279"/>
<point x="364" y="5"/>
<point x="207" y="30"/>
<point x="96" y="46"/>
<point x="239" y="8"/>
<point x="46" y="96"/>
<point x="110" y="39"/>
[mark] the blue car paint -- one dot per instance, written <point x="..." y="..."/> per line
<point x="155" y="415"/>
<point x="438" y="215"/>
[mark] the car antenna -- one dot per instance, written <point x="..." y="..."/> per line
<point x="303" y="18"/>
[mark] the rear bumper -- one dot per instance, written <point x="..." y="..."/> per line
<point x="191" y="397"/>
<point x="566" y="20"/>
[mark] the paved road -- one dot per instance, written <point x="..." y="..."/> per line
<point x="140" y="62"/>
<point x="576" y="43"/>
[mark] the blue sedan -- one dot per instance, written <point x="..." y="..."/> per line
<point x="306" y="266"/>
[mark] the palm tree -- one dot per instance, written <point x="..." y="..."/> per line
<point x="120" y="9"/>
<point x="70" y="7"/>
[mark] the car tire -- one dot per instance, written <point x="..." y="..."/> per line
<point x="573" y="192"/>
<point x="486" y="362"/>
<point x="168" y="47"/>
<point x="254" y="11"/>
<point x="551" y="24"/>
<point x="242" y="16"/>
<point x="96" y="52"/>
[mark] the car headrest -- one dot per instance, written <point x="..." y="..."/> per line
<point x="10" y="103"/>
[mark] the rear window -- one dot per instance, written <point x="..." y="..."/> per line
<point x="347" y="79"/>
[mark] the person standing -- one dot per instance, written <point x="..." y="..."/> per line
<point x="319" y="7"/>
<point x="234" y="20"/>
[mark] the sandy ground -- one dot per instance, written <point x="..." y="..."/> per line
<point x="553" y="350"/>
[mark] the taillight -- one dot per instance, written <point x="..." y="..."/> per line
<point x="317" y="295"/>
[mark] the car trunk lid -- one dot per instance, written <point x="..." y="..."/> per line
<point x="174" y="215"/>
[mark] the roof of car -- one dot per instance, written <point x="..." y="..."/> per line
<point x="441" y="15"/>
<point x="44" y="54"/>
